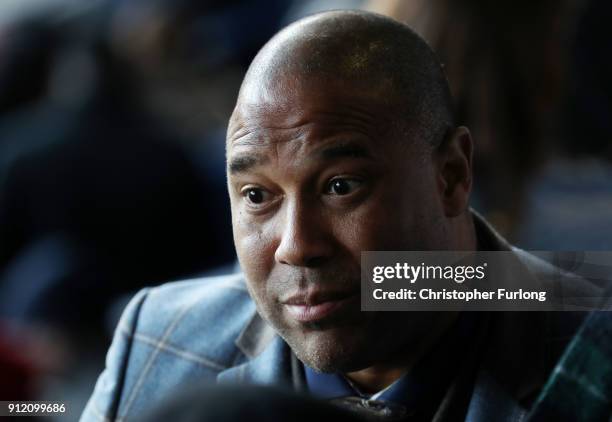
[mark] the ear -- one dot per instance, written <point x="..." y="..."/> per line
<point x="454" y="165"/>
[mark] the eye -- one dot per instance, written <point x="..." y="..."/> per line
<point x="255" y="196"/>
<point x="342" y="186"/>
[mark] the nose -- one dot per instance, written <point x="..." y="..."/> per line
<point x="305" y="240"/>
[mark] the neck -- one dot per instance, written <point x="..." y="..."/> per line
<point x="380" y="375"/>
<point x="376" y="377"/>
<point x="463" y="233"/>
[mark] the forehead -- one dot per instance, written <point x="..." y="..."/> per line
<point x="316" y="140"/>
<point x="311" y="111"/>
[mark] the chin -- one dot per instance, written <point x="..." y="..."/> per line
<point x="330" y="351"/>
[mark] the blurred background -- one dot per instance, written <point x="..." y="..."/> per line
<point x="112" y="125"/>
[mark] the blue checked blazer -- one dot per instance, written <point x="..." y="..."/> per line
<point x="208" y="329"/>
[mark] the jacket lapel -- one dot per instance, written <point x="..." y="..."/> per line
<point x="269" y="357"/>
<point x="514" y="357"/>
<point x="271" y="367"/>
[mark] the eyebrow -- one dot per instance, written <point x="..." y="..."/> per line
<point x="348" y="149"/>
<point x="244" y="163"/>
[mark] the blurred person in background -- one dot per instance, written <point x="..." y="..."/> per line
<point x="505" y="65"/>
<point x="110" y="179"/>
<point x="531" y="81"/>
<point x="569" y="204"/>
<point x="103" y="197"/>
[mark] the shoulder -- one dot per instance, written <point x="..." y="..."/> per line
<point x="168" y="336"/>
<point x="210" y="297"/>
<point x="525" y="346"/>
<point x="576" y="295"/>
<point x="568" y="284"/>
<point x="202" y="316"/>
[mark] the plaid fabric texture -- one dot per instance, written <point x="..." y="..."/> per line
<point x="580" y="387"/>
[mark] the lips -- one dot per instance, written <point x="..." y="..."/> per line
<point x="317" y="305"/>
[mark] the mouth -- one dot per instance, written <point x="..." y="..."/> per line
<point x="316" y="306"/>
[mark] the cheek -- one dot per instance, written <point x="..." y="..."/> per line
<point x="255" y="250"/>
<point x="392" y="220"/>
<point x="372" y="226"/>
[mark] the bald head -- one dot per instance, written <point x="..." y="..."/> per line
<point x="366" y="53"/>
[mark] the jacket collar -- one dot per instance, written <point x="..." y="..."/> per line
<point x="488" y="238"/>
<point x="268" y="356"/>
<point x="271" y="367"/>
<point x="255" y="337"/>
<point x="523" y="347"/>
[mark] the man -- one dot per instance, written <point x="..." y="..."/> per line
<point x="342" y="141"/>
